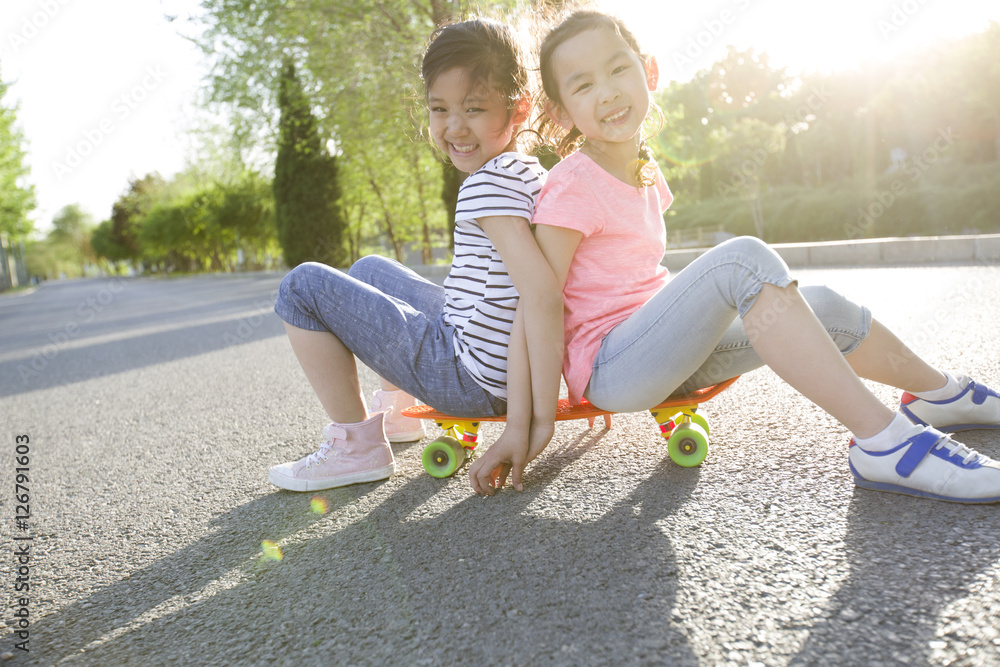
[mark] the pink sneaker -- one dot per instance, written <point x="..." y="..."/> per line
<point x="397" y="427"/>
<point x="351" y="454"/>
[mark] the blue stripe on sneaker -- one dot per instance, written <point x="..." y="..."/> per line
<point x="895" y="488"/>
<point x="912" y="417"/>
<point x="951" y="428"/>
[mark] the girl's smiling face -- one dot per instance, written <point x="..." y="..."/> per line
<point x="471" y="124"/>
<point x="603" y="86"/>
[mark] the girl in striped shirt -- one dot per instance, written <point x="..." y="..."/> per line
<point x="467" y="348"/>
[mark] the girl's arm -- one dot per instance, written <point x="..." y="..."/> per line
<point x="558" y="246"/>
<point x="534" y="365"/>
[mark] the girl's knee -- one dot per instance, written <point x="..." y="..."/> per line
<point x="367" y="266"/>
<point x="847" y="322"/>
<point x="307" y="278"/>
<point x="829" y="304"/>
<point x="752" y="248"/>
<point x="303" y="273"/>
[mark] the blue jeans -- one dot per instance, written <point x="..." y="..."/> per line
<point x="689" y="335"/>
<point x="392" y="320"/>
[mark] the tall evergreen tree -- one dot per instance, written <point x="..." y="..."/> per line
<point x="306" y="192"/>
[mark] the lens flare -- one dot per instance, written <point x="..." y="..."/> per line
<point x="271" y="550"/>
<point x="319" y="505"/>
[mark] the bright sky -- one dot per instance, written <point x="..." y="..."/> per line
<point x="105" y="88"/>
<point x="804" y="35"/>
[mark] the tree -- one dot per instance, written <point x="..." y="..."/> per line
<point x="72" y="229"/>
<point x="128" y="212"/>
<point x="359" y="65"/>
<point x="247" y="208"/>
<point x="17" y="198"/>
<point x="105" y="248"/>
<point x="306" y="191"/>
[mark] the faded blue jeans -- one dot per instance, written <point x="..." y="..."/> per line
<point x="392" y="320"/>
<point x="689" y="335"/>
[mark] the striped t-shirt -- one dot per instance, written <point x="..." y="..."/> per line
<point x="480" y="298"/>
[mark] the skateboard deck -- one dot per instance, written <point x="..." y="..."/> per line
<point x="686" y="432"/>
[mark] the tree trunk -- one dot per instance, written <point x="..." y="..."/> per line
<point x="390" y="232"/>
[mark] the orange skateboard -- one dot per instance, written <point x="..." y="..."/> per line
<point x="685" y="431"/>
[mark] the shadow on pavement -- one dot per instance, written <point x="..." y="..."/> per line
<point x="45" y="339"/>
<point x="896" y="597"/>
<point x="485" y="581"/>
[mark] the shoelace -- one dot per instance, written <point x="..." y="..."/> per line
<point x="958" y="449"/>
<point x="332" y="433"/>
<point x="319" y="456"/>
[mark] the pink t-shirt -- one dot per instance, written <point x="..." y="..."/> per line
<point x="616" y="268"/>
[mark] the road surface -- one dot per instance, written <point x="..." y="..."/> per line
<point x="150" y="410"/>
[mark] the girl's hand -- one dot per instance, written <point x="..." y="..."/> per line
<point x="507" y="456"/>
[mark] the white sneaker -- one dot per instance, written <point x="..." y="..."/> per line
<point x="397" y="427"/>
<point x="976" y="406"/>
<point x="351" y="454"/>
<point x="929" y="465"/>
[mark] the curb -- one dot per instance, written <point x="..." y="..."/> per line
<point x="906" y="251"/>
<point x="979" y="249"/>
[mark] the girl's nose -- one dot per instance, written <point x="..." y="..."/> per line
<point x="609" y="93"/>
<point x="456" y="124"/>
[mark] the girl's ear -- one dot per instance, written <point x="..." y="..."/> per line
<point x="558" y="115"/>
<point x="652" y="74"/>
<point x="522" y="109"/>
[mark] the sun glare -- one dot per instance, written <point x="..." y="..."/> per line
<point x="802" y="36"/>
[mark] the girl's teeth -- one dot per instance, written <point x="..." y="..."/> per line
<point x="617" y="116"/>
<point x="463" y="149"/>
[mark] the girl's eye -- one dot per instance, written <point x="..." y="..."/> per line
<point x="438" y="110"/>
<point x="582" y="87"/>
<point x="474" y="110"/>
<point x="619" y="69"/>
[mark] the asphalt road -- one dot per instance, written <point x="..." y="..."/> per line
<point x="153" y="408"/>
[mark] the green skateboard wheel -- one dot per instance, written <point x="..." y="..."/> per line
<point x="443" y="457"/>
<point x="688" y="445"/>
<point x="700" y="421"/>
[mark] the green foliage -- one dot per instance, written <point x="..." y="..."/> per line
<point x="66" y="251"/>
<point x="128" y="212"/>
<point x="193" y="222"/>
<point x="72" y="228"/>
<point x="103" y="244"/>
<point x="16" y="196"/>
<point x="790" y="159"/>
<point x="306" y="188"/>
<point x="247" y="210"/>
<point x="951" y="199"/>
<point x="359" y="65"/>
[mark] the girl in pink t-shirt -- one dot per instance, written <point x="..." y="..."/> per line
<point x="633" y="337"/>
